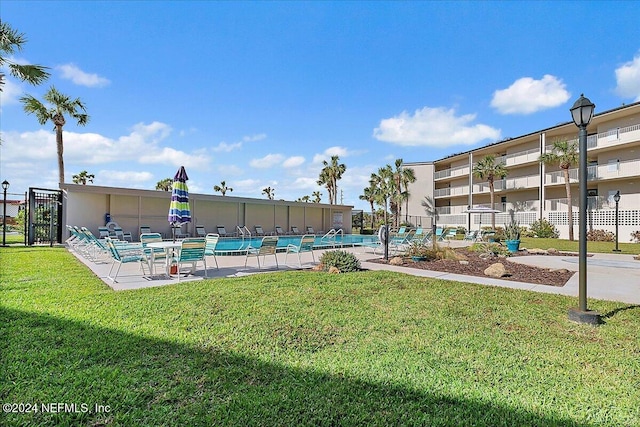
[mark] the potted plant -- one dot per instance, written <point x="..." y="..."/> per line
<point x="512" y="236"/>
<point x="418" y="251"/>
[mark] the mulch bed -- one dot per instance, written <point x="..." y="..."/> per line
<point x="476" y="266"/>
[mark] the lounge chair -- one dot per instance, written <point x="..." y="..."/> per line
<point x="211" y="240"/>
<point x="200" y="231"/>
<point x="268" y="246"/>
<point x="259" y="230"/>
<point x="306" y="245"/>
<point x="471" y="236"/>
<point x="191" y="252"/>
<point x="450" y="234"/>
<point x="144" y="229"/>
<point x="123" y="255"/>
<point x="177" y="232"/>
<point x="294" y="230"/>
<point x="103" y="232"/>
<point x="122" y="235"/>
<point x="222" y="232"/>
<point x="279" y="231"/>
<point x="310" y="230"/>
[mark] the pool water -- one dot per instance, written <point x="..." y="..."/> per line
<point x="235" y="244"/>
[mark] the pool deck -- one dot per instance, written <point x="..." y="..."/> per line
<point x="610" y="277"/>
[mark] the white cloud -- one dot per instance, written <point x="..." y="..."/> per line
<point x="227" y="148"/>
<point x="268" y="161"/>
<point x="79" y="77"/>
<point x="332" y="151"/>
<point x="122" y="178"/>
<point x="435" y="127"/>
<point x="254" y="138"/>
<point x="293" y="162"/>
<point x="628" y="79"/>
<point x="526" y="95"/>
<point x="168" y="155"/>
<point x="11" y="91"/>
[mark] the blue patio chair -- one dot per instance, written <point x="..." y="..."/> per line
<point x="192" y="251"/>
<point x="306" y="245"/>
<point x="125" y="236"/>
<point x="123" y="255"/>
<point x="103" y="232"/>
<point x="268" y="246"/>
<point x="211" y="241"/>
<point x="153" y="256"/>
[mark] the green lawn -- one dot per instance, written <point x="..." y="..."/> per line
<point x="306" y="348"/>
<point x="566" y="245"/>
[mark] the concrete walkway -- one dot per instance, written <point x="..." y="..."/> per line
<point x="609" y="276"/>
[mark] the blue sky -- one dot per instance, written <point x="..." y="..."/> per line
<point x="259" y="93"/>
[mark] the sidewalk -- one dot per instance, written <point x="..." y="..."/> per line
<point x="609" y="276"/>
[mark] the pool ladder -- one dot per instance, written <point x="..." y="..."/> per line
<point x="244" y="233"/>
<point x="331" y="238"/>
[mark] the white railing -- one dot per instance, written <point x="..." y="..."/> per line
<point x="619" y="169"/>
<point x="522" y="157"/>
<point x="593" y="203"/>
<point x="529" y="181"/>
<point x="451" y="172"/>
<point x="609" y="138"/>
<point x="451" y="191"/>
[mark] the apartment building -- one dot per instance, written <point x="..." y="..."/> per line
<point x="532" y="190"/>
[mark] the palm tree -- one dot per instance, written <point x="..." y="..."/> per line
<point x="429" y="206"/>
<point x="487" y="169"/>
<point x="566" y="155"/>
<point x="402" y="178"/>
<point x="305" y="199"/>
<point x="330" y="175"/>
<point x="83" y="177"/>
<point x="384" y="189"/>
<point x="317" y="196"/>
<point x="368" y="194"/>
<point x="222" y="188"/>
<point x="269" y="192"/>
<point x="58" y="106"/>
<point x="11" y="42"/>
<point x="164" y="184"/>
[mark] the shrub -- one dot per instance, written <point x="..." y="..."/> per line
<point x="600" y="236"/>
<point x="635" y="236"/>
<point x="342" y="260"/>
<point x="493" y="249"/>
<point x="544" y="229"/>
<point x="512" y="230"/>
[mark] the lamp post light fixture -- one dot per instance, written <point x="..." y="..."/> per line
<point x="5" y="187"/>
<point x="581" y="113"/>
<point x="616" y="198"/>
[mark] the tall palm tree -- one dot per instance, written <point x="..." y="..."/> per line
<point x="330" y="175"/>
<point x="83" y="177"/>
<point x="317" y="196"/>
<point x="488" y="169"/>
<point x="11" y="42"/>
<point x="164" y="184"/>
<point x="58" y="106"/>
<point x="383" y="183"/>
<point x="269" y="192"/>
<point x="402" y="178"/>
<point x="565" y="155"/>
<point x="222" y="188"/>
<point x="368" y="194"/>
<point x="305" y="199"/>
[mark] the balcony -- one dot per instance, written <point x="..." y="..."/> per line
<point x="623" y="169"/>
<point x="593" y="203"/>
<point x="451" y="191"/>
<point x="610" y="138"/>
<point x="521" y="157"/>
<point x="529" y="181"/>
<point x="451" y="173"/>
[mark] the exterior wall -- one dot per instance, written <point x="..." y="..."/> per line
<point x="86" y="205"/>
<point x="532" y="191"/>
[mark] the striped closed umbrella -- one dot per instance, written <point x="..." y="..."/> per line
<point x="179" y="210"/>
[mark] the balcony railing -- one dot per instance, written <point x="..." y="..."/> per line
<point x="451" y="191"/>
<point x="521" y="157"/>
<point x="451" y="172"/>
<point x="593" y="203"/>
<point x="609" y="138"/>
<point x="529" y="181"/>
<point x="617" y="169"/>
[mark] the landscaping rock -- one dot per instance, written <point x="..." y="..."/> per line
<point x="463" y="262"/>
<point x="334" y="270"/>
<point x="637" y="257"/>
<point x="496" y="270"/>
<point x="553" y="251"/>
<point x="537" y="251"/>
<point x="318" y="267"/>
<point x="558" y="270"/>
<point x="396" y="261"/>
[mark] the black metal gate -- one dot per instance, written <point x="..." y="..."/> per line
<point x="45" y="216"/>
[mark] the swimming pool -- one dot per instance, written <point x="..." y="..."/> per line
<point x="231" y="245"/>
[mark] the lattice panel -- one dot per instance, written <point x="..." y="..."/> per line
<point x="598" y="218"/>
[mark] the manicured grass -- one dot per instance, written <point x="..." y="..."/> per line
<point x="569" y="246"/>
<point x="306" y="348"/>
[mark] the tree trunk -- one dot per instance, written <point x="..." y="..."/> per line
<point x="60" y="148"/>
<point x="567" y="185"/>
<point x="373" y="216"/>
<point x="493" y="214"/>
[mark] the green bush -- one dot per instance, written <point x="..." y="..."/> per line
<point x="342" y="260"/>
<point x="490" y="248"/>
<point x="600" y="236"/>
<point x="544" y="229"/>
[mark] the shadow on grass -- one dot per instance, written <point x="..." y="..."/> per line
<point x="612" y="313"/>
<point x="147" y="381"/>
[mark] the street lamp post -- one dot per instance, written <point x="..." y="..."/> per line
<point x="616" y="198"/>
<point x="581" y="113"/>
<point x="5" y="187"/>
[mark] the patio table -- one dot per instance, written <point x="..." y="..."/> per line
<point x="167" y="245"/>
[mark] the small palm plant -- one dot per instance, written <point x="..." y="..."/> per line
<point x="512" y="231"/>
